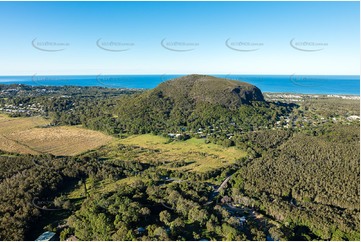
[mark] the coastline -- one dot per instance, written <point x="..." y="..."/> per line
<point x="319" y="95"/>
<point x="345" y="85"/>
<point x="269" y="93"/>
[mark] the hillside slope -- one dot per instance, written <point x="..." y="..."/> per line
<point x="192" y="101"/>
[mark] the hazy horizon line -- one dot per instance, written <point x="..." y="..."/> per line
<point x="167" y="74"/>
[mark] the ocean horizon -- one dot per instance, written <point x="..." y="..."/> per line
<point x="300" y="84"/>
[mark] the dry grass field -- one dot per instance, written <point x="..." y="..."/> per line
<point x="23" y="135"/>
<point x="27" y="136"/>
<point x="11" y="125"/>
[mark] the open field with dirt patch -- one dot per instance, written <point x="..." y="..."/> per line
<point x="23" y="135"/>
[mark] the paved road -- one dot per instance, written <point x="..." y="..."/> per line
<point x="210" y="201"/>
<point x="166" y="206"/>
<point x="215" y="192"/>
<point x="224" y="183"/>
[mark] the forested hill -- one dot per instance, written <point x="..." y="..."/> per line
<point x="182" y="105"/>
<point x="202" y="88"/>
<point x="193" y="101"/>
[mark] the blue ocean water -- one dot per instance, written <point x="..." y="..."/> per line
<point x="307" y="84"/>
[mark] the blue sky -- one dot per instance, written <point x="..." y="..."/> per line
<point x="325" y="38"/>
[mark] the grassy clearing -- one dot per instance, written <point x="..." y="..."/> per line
<point x="101" y="187"/>
<point x="23" y="135"/>
<point x="201" y="156"/>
